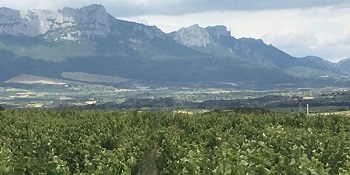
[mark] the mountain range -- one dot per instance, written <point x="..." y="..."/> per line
<point x="88" y="40"/>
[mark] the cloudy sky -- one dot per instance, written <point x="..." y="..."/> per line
<point x="298" y="27"/>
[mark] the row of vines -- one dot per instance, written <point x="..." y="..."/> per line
<point x="97" y="142"/>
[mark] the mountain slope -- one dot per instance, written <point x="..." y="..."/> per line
<point x="217" y="40"/>
<point x="344" y="65"/>
<point x="88" y="39"/>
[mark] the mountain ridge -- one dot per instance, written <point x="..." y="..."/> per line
<point x="253" y="50"/>
<point x="34" y="23"/>
<point x="90" y="40"/>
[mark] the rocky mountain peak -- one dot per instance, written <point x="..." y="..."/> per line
<point x="65" y="24"/>
<point x="196" y="35"/>
<point x="193" y="36"/>
<point x="87" y="14"/>
<point x="94" y="8"/>
<point x="194" y="27"/>
<point x="219" y="30"/>
<point x="6" y="14"/>
<point x="92" y="20"/>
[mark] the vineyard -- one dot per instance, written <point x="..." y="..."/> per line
<point x="140" y="143"/>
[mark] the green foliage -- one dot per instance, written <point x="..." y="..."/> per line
<point x="95" y="142"/>
<point x="307" y="72"/>
<point x="42" y="49"/>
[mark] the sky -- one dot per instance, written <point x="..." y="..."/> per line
<point x="298" y="27"/>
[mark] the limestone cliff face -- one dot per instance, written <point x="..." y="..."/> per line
<point x="198" y="36"/>
<point x="65" y="24"/>
<point x="218" y="31"/>
<point x="193" y="36"/>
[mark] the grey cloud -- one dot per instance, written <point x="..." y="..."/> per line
<point x="125" y="8"/>
<point x="195" y="6"/>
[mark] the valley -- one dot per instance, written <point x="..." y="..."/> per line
<point x="85" y="58"/>
<point x="175" y="87"/>
<point x="35" y="92"/>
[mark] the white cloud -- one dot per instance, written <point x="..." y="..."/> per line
<point x="317" y="31"/>
<point x="292" y="40"/>
<point x="340" y="38"/>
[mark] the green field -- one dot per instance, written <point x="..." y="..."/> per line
<point x="97" y="142"/>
